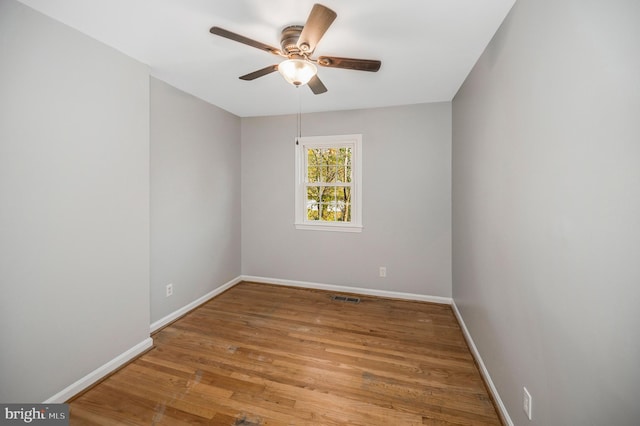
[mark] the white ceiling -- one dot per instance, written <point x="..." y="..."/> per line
<point x="427" y="47"/>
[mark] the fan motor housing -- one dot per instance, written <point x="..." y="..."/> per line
<point x="289" y="39"/>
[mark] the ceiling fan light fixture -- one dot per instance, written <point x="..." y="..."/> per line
<point x="297" y="71"/>
<point x="298" y="43"/>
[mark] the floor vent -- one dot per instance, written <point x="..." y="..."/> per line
<point x="346" y="299"/>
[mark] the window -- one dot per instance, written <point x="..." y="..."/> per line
<point x="328" y="183"/>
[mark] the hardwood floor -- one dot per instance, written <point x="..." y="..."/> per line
<point x="270" y="355"/>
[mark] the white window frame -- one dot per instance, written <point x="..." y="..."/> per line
<point x="302" y="144"/>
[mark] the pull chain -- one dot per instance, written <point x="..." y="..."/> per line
<point x="299" y="117"/>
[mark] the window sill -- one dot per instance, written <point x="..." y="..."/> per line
<point x="329" y="227"/>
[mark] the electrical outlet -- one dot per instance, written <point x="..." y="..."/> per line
<point x="526" y="402"/>
<point x="383" y="272"/>
<point x="169" y="289"/>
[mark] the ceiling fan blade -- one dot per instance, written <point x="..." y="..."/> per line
<point x="349" y="63"/>
<point x="319" y="20"/>
<point x="244" y="40"/>
<point x="261" y="72"/>
<point x="316" y="85"/>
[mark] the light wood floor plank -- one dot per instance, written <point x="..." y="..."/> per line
<point x="269" y="355"/>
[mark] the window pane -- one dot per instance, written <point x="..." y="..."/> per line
<point x="313" y="157"/>
<point x="332" y="174"/>
<point x="312" y="214"/>
<point x="330" y="156"/>
<point x="343" y="193"/>
<point x="344" y="156"/>
<point x="323" y="173"/>
<point x="343" y="174"/>
<point x="313" y="193"/>
<point x="343" y="213"/>
<point x="327" y="214"/>
<point x="343" y="197"/>
<point x="328" y="194"/>
<point x="313" y="174"/>
<point x="313" y="203"/>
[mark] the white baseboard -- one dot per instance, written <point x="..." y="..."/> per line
<point x="180" y="312"/>
<point x="100" y="372"/>
<point x="504" y="414"/>
<point x="346" y="289"/>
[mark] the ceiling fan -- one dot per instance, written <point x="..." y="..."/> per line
<point x="298" y="43"/>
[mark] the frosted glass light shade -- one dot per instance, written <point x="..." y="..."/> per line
<point x="297" y="71"/>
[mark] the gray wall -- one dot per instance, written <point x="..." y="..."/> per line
<point x="406" y="202"/>
<point x="195" y="198"/>
<point x="74" y="204"/>
<point x="546" y="210"/>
